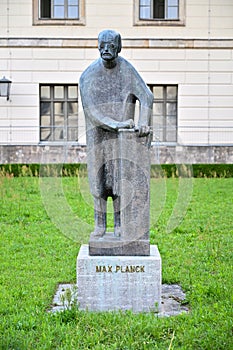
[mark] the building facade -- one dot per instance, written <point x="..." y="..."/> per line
<point x="183" y="49"/>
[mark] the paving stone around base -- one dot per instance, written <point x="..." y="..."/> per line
<point x="172" y="299"/>
<point x="120" y="283"/>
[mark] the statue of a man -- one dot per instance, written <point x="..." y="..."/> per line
<point x="109" y="88"/>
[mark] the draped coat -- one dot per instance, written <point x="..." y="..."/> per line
<point x="108" y="98"/>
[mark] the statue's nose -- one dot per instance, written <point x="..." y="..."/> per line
<point x="106" y="48"/>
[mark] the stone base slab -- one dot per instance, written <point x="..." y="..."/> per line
<point x="172" y="300"/>
<point x="111" y="245"/>
<point x="107" y="283"/>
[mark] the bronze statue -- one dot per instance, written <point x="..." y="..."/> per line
<point x="109" y="88"/>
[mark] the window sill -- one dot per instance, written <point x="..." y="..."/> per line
<point x="61" y="143"/>
<point x="58" y="22"/>
<point x="156" y="22"/>
<point x="163" y="143"/>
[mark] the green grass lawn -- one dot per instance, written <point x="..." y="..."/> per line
<point x="35" y="256"/>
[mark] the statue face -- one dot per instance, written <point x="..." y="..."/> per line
<point x="108" y="47"/>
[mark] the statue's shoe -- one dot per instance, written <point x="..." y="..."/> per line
<point x="99" y="232"/>
<point x="117" y="231"/>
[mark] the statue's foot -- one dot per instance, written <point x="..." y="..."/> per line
<point x="98" y="232"/>
<point x="117" y="231"/>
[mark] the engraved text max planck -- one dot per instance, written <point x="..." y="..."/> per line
<point x="118" y="268"/>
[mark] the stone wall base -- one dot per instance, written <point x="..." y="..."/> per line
<point x="160" y="154"/>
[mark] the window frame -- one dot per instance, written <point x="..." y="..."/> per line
<point x="160" y="22"/>
<point x="52" y="100"/>
<point x="58" y="21"/>
<point x="164" y="101"/>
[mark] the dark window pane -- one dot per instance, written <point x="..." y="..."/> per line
<point x="45" y="108"/>
<point x="45" y="9"/>
<point x="159" y="9"/>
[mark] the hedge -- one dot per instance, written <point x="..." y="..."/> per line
<point x="166" y="170"/>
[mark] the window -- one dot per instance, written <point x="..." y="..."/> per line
<point x="164" y="117"/>
<point x="58" y="12"/>
<point x="59" y="9"/>
<point x="58" y="113"/>
<point x="159" y="9"/>
<point x="159" y="12"/>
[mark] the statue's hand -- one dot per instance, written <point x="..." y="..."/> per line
<point x="144" y="130"/>
<point x="127" y="124"/>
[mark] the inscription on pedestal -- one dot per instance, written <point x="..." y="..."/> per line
<point x="119" y="282"/>
<point x="121" y="269"/>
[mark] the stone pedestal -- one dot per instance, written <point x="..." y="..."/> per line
<point x="108" y="283"/>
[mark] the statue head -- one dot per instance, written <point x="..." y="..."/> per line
<point x="109" y="45"/>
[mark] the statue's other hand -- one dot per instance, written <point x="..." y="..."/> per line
<point x="144" y="130"/>
<point x="127" y="124"/>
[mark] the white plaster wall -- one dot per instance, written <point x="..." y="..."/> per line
<point x="204" y="18"/>
<point x="204" y="77"/>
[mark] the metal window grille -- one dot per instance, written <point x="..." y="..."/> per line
<point x="59" y="9"/>
<point x="159" y="9"/>
<point x="164" y="116"/>
<point x="59" y="113"/>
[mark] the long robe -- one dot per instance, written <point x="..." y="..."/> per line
<point x="108" y="97"/>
